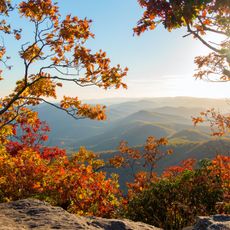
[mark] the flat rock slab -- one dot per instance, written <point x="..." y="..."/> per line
<point x="35" y="214"/>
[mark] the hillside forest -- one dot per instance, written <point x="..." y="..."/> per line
<point x="163" y="161"/>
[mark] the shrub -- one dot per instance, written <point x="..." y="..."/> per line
<point x="173" y="201"/>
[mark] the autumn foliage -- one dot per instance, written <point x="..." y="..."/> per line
<point x="219" y="123"/>
<point x="175" y="198"/>
<point x="183" y="192"/>
<point x="200" y="18"/>
<point x="80" y="185"/>
<point x="29" y="169"/>
<point x="129" y="157"/>
<point x="30" y="133"/>
<point x="56" y="54"/>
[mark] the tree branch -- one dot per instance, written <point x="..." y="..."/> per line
<point x="72" y="113"/>
<point x="201" y="39"/>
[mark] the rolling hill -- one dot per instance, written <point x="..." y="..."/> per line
<point x="181" y="151"/>
<point x="134" y="132"/>
<point x="189" y="134"/>
<point x="133" y="121"/>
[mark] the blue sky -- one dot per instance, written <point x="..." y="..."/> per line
<point x="160" y="63"/>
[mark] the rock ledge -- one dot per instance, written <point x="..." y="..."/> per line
<point x="35" y="214"/>
<point x="216" y="222"/>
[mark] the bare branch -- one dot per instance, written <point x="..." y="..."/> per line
<point x="72" y="112"/>
<point x="195" y="33"/>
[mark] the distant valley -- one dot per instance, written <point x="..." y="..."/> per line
<point x="135" y="120"/>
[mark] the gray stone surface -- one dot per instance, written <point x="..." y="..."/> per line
<point x="216" y="222"/>
<point x="35" y="214"/>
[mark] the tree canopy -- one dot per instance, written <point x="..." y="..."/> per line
<point x="201" y="18"/>
<point x="56" y="54"/>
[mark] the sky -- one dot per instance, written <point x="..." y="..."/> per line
<point x="160" y="63"/>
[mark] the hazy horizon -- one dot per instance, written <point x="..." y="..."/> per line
<point x="220" y="104"/>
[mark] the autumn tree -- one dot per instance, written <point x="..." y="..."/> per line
<point x="182" y="193"/>
<point x="31" y="135"/>
<point x="74" y="184"/>
<point x="141" y="162"/>
<point x="29" y="168"/>
<point x="56" y="54"/>
<point x="200" y="18"/>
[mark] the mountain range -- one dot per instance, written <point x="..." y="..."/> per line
<point x="135" y="120"/>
